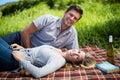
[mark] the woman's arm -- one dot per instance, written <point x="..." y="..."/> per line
<point x="51" y="66"/>
<point x="17" y="56"/>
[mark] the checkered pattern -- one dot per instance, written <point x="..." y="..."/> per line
<point x="73" y="73"/>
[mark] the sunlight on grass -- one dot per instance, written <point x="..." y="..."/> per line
<point x="98" y="22"/>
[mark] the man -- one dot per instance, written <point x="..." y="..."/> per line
<point x="50" y="30"/>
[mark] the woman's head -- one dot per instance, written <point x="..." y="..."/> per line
<point x="74" y="55"/>
<point x="80" y="58"/>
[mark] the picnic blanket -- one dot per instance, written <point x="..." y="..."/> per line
<point x="73" y="73"/>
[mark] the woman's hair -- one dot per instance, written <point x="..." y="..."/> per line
<point x="88" y="62"/>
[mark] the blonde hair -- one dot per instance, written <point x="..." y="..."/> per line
<point x="88" y="62"/>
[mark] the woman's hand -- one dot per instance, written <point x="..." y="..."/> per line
<point x="16" y="46"/>
<point x="17" y="56"/>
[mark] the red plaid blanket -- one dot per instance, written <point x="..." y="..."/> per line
<point x="73" y="73"/>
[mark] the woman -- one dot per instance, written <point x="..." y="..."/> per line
<point x="39" y="61"/>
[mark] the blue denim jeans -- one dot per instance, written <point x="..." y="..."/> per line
<point x="13" y="38"/>
<point x="7" y="61"/>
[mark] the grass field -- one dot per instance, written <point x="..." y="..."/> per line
<point x="98" y="22"/>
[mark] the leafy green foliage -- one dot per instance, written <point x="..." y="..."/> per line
<point x="18" y="6"/>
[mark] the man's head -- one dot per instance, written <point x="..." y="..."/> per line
<point x="72" y="15"/>
<point x="77" y="9"/>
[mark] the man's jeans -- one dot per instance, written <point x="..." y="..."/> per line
<point x="13" y="38"/>
<point x="7" y="61"/>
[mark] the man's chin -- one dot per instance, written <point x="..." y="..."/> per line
<point x="68" y="25"/>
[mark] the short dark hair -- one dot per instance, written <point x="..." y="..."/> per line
<point x="76" y="8"/>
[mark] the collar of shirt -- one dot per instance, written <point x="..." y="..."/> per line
<point x="58" y="25"/>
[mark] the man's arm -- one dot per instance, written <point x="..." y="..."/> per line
<point x="25" y="34"/>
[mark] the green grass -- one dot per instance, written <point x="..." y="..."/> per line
<point x="20" y="20"/>
<point x="98" y="22"/>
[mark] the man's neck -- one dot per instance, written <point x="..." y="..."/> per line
<point x="64" y="27"/>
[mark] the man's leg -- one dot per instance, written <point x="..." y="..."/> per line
<point x="13" y="38"/>
<point x="7" y="61"/>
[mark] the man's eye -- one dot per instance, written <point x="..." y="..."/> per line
<point x="71" y="15"/>
<point x="75" y="18"/>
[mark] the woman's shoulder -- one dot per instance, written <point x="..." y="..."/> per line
<point x="46" y="46"/>
<point x="43" y="46"/>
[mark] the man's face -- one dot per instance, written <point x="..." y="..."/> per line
<point x="71" y="17"/>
